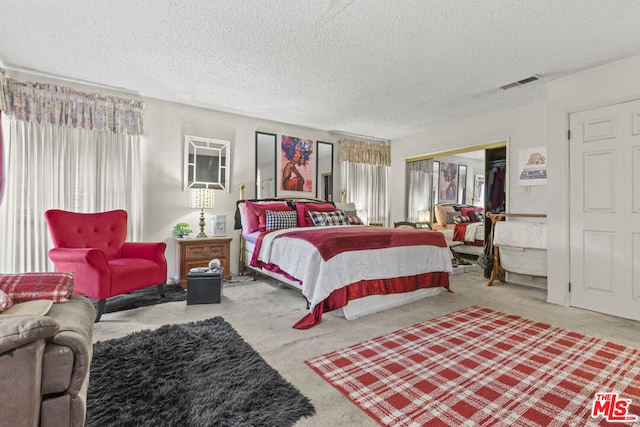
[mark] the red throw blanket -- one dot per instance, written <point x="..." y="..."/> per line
<point x="458" y="232"/>
<point x="332" y="241"/>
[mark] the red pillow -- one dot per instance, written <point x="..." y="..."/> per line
<point x="304" y="220"/>
<point x="470" y="213"/>
<point x="257" y="214"/>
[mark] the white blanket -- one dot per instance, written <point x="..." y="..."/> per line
<point x="474" y="231"/>
<point x="319" y="278"/>
<point x="520" y="234"/>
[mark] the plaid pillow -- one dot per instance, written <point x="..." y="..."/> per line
<point x="23" y="287"/>
<point x="479" y="216"/>
<point x="285" y="219"/>
<point x="328" y="218"/>
<point x="460" y="219"/>
<point x="451" y="215"/>
<point x="354" y="220"/>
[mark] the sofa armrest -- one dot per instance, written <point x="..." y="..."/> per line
<point x="75" y="318"/>
<point x="19" y="330"/>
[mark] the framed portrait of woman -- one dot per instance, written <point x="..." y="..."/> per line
<point x="448" y="190"/>
<point x="296" y="167"/>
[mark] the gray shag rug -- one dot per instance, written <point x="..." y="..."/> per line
<point x="144" y="297"/>
<point x="194" y="374"/>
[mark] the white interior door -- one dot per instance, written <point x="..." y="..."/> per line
<point x="605" y="209"/>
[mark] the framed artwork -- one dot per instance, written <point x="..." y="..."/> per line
<point x="296" y="167"/>
<point x="448" y="182"/>
<point x="462" y="184"/>
<point x="532" y="164"/>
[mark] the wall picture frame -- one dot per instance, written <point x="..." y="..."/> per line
<point x="296" y="174"/>
<point x="532" y="162"/>
<point x="448" y="186"/>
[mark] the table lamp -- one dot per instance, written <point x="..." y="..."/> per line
<point x="202" y="198"/>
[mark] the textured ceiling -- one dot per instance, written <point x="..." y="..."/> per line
<point x="379" y="68"/>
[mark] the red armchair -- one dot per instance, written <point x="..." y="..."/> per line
<point x="93" y="247"/>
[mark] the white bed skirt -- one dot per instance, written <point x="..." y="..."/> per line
<point x="532" y="262"/>
<point x="372" y="304"/>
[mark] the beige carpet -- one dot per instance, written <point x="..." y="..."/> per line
<point x="263" y="314"/>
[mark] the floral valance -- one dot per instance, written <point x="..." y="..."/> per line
<point x="63" y="106"/>
<point x="365" y="152"/>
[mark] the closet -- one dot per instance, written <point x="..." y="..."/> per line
<point x="495" y="161"/>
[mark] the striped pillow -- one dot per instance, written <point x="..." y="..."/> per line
<point x="286" y="219"/>
<point x="328" y="218"/>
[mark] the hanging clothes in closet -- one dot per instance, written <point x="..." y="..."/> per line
<point x="496" y="184"/>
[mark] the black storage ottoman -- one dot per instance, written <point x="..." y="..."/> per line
<point x="204" y="287"/>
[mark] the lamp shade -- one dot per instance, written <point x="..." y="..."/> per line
<point x="424" y="216"/>
<point x="202" y="198"/>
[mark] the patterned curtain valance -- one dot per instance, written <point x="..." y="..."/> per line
<point x="365" y="152"/>
<point x="63" y="106"/>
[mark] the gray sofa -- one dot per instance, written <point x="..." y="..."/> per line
<point x="44" y="365"/>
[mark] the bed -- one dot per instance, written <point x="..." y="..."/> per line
<point x="340" y="265"/>
<point x="462" y="225"/>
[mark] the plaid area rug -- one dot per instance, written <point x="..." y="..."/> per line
<point x="480" y="367"/>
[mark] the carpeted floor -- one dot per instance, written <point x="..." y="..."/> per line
<point x="263" y="314"/>
<point x="144" y="297"/>
<point x="482" y="367"/>
<point x="195" y="374"/>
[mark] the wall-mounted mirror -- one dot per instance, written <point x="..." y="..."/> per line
<point x="324" y="168"/>
<point x="206" y="163"/>
<point x="266" y="184"/>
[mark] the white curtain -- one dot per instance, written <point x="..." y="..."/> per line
<point x="58" y="158"/>
<point x="365" y="176"/>
<point x="418" y="188"/>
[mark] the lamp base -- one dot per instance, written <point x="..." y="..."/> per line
<point x="202" y="224"/>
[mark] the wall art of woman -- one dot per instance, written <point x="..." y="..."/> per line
<point x="296" y="169"/>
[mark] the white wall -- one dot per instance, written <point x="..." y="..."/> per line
<point x="165" y="125"/>
<point x="597" y="87"/>
<point x="522" y="127"/>
<point x="542" y="123"/>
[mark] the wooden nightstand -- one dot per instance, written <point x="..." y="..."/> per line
<point x="198" y="252"/>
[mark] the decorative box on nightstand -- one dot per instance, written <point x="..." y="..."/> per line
<point x="198" y="252"/>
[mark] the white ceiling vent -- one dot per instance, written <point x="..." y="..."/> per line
<point x="520" y="82"/>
